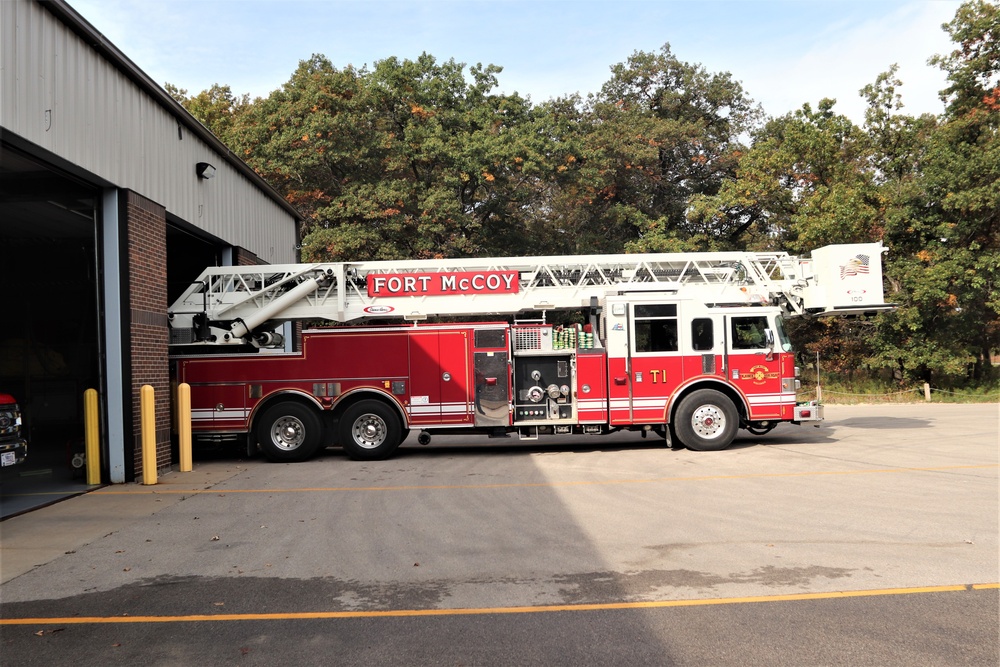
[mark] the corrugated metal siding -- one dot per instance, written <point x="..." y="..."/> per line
<point x="61" y="94"/>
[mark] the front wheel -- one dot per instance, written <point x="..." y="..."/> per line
<point x="289" y="432"/>
<point x="706" y="421"/>
<point x="370" y="430"/>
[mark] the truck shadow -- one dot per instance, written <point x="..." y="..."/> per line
<point x="476" y="445"/>
<point x="460" y="445"/>
<point x="880" y="422"/>
<point x="618" y="442"/>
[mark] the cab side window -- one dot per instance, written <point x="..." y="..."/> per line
<point x="656" y="328"/>
<point x="748" y="333"/>
<point x="702" y="334"/>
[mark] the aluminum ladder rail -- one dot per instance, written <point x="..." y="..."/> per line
<point x="234" y="301"/>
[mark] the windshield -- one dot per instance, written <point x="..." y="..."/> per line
<point x="783" y="341"/>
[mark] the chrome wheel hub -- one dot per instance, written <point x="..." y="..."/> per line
<point x="370" y="431"/>
<point x="288" y="433"/>
<point x="708" y="421"/>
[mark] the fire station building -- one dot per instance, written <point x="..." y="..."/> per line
<point x="113" y="198"/>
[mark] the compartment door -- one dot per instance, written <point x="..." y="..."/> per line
<point x="440" y="378"/>
<point x="656" y="362"/>
<point x="492" y="403"/>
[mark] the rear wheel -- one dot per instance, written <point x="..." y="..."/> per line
<point x="706" y="421"/>
<point x="370" y="430"/>
<point x="289" y="432"/>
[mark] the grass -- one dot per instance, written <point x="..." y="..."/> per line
<point x="838" y="391"/>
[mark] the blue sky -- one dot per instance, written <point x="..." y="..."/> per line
<point x="784" y="53"/>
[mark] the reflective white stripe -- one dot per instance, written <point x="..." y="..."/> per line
<point x="771" y="399"/>
<point x="210" y="414"/>
<point x="439" y="408"/>
<point x="643" y="403"/>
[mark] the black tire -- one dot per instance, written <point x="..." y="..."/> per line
<point x="370" y="431"/>
<point x="706" y="421"/>
<point x="289" y="432"/>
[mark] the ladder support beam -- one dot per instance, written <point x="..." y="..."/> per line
<point x="236" y="300"/>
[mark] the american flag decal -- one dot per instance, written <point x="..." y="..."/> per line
<point x="855" y="265"/>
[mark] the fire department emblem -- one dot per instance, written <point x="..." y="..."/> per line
<point x="759" y="374"/>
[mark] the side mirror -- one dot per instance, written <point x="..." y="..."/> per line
<point x="769" y="338"/>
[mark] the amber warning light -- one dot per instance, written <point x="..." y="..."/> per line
<point x="437" y="284"/>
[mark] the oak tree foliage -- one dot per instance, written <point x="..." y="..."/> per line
<point x="425" y="158"/>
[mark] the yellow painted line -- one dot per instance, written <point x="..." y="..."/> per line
<point x="610" y="606"/>
<point x="164" y="489"/>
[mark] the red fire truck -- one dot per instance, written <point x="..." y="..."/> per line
<point x="690" y="346"/>
<point x="13" y="447"/>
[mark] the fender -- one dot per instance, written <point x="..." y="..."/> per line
<point x="266" y="401"/>
<point x="379" y="392"/>
<point x="708" y="382"/>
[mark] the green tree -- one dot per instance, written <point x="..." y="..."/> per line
<point x="217" y="108"/>
<point x="423" y="158"/>
<point x="805" y="182"/>
<point x="457" y="170"/>
<point x="943" y="225"/>
<point x="973" y="68"/>
<point x="660" y="131"/>
<point x="410" y="159"/>
<point x="313" y="138"/>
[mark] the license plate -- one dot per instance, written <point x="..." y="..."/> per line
<point x="8" y="459"/>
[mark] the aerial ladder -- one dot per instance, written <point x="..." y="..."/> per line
<point x="242" y="305"/>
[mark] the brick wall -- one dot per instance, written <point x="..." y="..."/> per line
<point x="243" y="257"/>
<point x="147" y="270"/>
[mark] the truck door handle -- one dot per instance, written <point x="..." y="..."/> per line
<point x="491" y="382"/>
<point x="621" y="379"/>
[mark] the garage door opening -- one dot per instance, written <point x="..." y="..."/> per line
<point x="49" y="342"/>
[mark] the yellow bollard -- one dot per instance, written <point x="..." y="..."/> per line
<point x="184" y="425"/>
<point x="147" y="411"/>
<point x="92" y="436"/>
